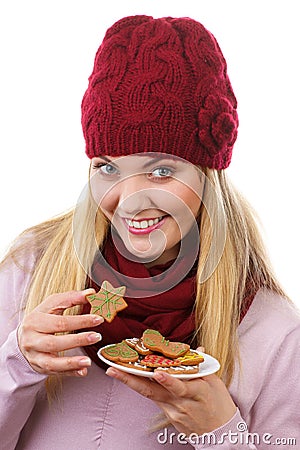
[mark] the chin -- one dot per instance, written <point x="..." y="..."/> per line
<point x="143" y="252"/>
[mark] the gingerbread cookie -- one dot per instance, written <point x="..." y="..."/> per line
<point x="139" y="346"/>
<point x="120" y="352"/>
<point x="185" y="370"/>
<point x="155" y="341"/>
<point x="157" y="361"/>
<point x="191" y="358"/>
<point x="136" y="365"/>
<point x="153" y="352"/>
<point x="108" y="301"/>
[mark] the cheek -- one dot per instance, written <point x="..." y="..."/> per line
<point x="192" y="201"/>
<point x="189" y="195"/>
<point x="105" y="197"/>
<point x="108" y="204"/>
<point x="185" y="202"/>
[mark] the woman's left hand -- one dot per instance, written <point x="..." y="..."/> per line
<point x="196" y="406"/>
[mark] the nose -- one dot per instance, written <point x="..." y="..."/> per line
<point x="133" y="196"/>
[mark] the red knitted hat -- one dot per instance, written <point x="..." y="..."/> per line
<point x="160" y="85"/>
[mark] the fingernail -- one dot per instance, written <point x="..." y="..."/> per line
<point x="88" y="291"/>
<point x="159" y="375"/>
<point x="81" y="373"/>
<point x="94" y="337"/>
<point x="97" y="320"/>
<point x="84" y="362"/>
<point x="111" y="372"/>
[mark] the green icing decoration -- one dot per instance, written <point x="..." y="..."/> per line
<point x="122" y="349"/>
<point x="109" y="301"/>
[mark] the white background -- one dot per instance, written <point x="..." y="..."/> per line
<point x="47" y="52"/>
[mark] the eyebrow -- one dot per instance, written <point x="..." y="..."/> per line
<point x="105" y="158"/>
<point x="153" y="159"/>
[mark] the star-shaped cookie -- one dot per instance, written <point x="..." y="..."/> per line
<point x="108" y="301"/>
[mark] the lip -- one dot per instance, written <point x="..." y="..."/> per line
<point x="141" y="231"/>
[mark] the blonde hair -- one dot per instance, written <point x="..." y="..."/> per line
<point x="244" y="262"/>
<point x="60" y="268"/>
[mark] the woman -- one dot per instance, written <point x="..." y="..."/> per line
<point x="159" y="216"/>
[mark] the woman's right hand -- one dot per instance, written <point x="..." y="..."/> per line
<point x="39" y="344"/>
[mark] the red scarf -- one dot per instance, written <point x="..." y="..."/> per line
<point x="169" y="312"/>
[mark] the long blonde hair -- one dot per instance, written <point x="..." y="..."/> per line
<point x="60" y="268"/>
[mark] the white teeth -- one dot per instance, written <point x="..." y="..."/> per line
<point x="143" y="224"/>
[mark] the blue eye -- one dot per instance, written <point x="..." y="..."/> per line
<point x="161" y="172"/>
<point x="107" y="169"/>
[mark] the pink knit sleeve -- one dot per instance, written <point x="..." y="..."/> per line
<point x="275" y="415"/>
<point x="19" y="382"/>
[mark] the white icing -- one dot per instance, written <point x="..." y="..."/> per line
<point x="179" y="368"/>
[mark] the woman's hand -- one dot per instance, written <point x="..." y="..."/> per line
<point x="195" y="406"/>
<point x="40" y="345"/>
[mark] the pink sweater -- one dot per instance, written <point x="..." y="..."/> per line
<point x="98" y="412"/>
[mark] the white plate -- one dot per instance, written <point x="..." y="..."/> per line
<point x="210" y="365"/>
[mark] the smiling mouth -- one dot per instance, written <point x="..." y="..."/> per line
<point x="143" y="223"/>
<point x="144" y="226"/>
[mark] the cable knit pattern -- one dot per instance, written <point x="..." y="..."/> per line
<point x="160" y="85"/>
